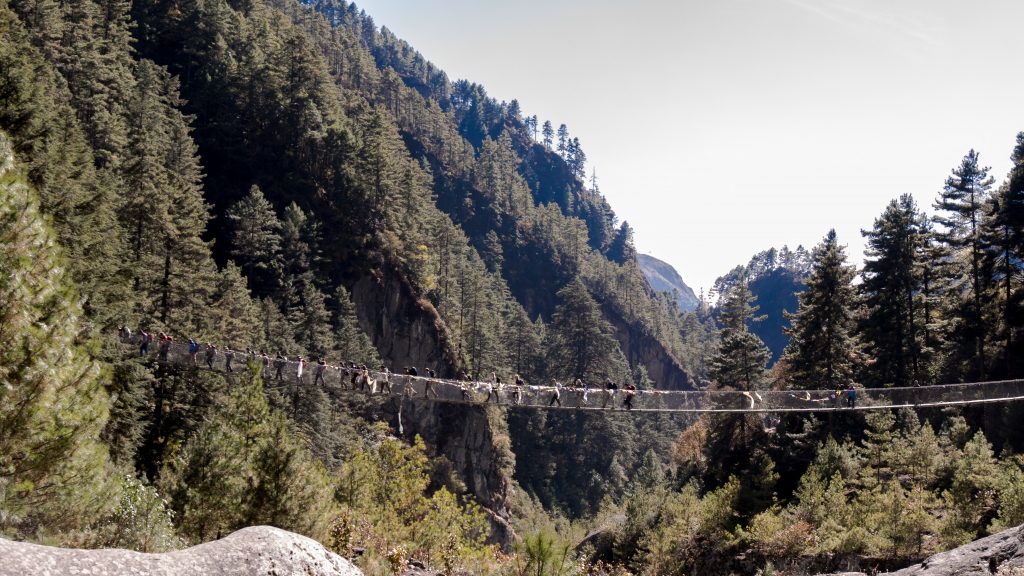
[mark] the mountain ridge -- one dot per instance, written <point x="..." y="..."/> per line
<point x="665" y="278"/>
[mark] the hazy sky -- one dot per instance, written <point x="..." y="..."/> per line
<point x="720" y="128"/>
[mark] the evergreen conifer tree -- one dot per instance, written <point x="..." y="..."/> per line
<point x="353" y="344"/>
<point x="1004" y="239"/>
<point x="741" y="358"/>
<point x="53" y="468"/>
<point x="822" y="350"/>
<point x="960" y="209"/>
<point x="165" y="214"/>
<point x="582" y="340"/>
<point x="256" y="241"/>
<point x="563" y="141"/>
<point x="892" y="329"/>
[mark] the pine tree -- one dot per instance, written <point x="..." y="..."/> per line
<point x="256" y="240"/>
<point x="523" y="340"/>
<point x="311" y="323"/>
<point x="353" y="344"/>
<point x="165" y="214"/>
<point x="893" y="327"/>
<point x="621" y="250"/>
<point x="822" y="350"/>
<point x="960" y="209"/>
<point x="53" y="469"/>
<point x="233" y="314"/>
<point x="49" y="140"/>
<point x="94" y="56"/>
<point x="577" y="159"/>
<point x="582" y="340"/>
<point x="972" y="495"/>
<point x="244" y="466"/>
<point x="741" y="359"/>
<point x="548" y="132"/>
<point x="1003" y="234"/>
<point x="563" y="141"/>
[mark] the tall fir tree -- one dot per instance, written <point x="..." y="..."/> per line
<point x="582" y="341"/>
<point x="353" y="343"/>
<point x="548" y="133"/>
<point x="563" y="141"/>
<point x="1003" y="234"/>
<point x="741" y="359"/>
<point x="893" y="324"/>
<point x="256" y="239"/>
<point x="165" y="214"/>
<point x="822" y="350"/>
<point x="53" y="467"/>
<point x="60" y="164"/>
<point x="959" y="214"/>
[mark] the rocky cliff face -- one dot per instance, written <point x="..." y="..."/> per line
<point x="259" y="550"/>
<point x="645" y="350"/>
<point x="408" y="331"/>
<point x="475" y="439"/>
<point x="1001" y="554"/>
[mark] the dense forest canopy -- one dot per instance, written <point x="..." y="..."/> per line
<point x="290" y="178"/>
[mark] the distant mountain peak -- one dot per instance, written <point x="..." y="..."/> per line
<point x="664" y="278"/>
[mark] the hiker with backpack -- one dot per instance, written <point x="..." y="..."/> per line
<point x="493" y="388"/>
<point x="279" y="363"/>
<point x="321" y="365"/>
<point x="211" y="353"/>
<point x="144" y="339"/>
<point x="557" y="395"/>
<point x="583" y="391"/>
<point x="630" y="394"/>
<point x="229" y="355"/>
<point x="193" y="350"/>
<point x="428" y="387"/>
<point x="164" y="346"/>
<point x="610" y="389"/>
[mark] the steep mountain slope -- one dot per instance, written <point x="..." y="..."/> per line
<point x="287" y="177"/>
<point x="664" y="278"/>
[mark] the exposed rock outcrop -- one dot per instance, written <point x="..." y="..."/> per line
<point x="475" y="440"/>
<point x="255" y="551"/>
<point x="1001" y="554"/>
<point x="647" y="351"/>
<point x="408" y="331"/>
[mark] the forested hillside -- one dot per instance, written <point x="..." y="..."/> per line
<point x="287" y="178"/>
<point x="258" y="175"/>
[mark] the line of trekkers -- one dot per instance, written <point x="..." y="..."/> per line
<point x="359" y="377"/>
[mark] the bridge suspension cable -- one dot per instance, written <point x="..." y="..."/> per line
<point x="589" y="397"/>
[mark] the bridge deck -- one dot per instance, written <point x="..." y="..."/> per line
<point x="596" y="398"/>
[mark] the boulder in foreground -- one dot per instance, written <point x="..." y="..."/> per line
<point x="1001" y="554"/>
<point x="254" y="551"/>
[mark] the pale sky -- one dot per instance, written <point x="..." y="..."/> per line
<point x="720" y="128"/>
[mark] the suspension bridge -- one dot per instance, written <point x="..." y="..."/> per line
<point x="588" y="397"/>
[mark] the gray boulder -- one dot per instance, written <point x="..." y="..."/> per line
<point x="1001" y="554"/>
<point x="258" y="550"/>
